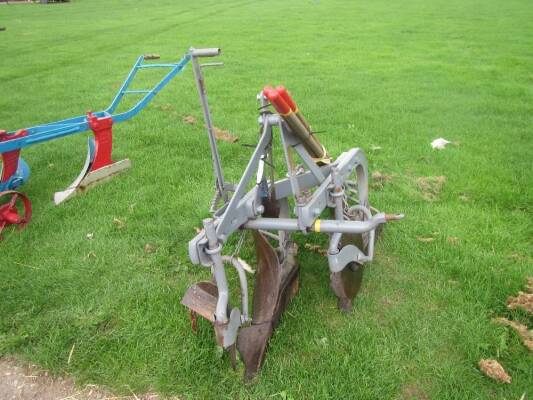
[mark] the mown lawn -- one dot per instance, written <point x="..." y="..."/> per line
<point x="387" y="74"/>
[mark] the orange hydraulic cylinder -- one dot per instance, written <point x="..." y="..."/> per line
<point x="282" y="91"/>
<point x="288" y="99"/>
<point x="284" y="109"/>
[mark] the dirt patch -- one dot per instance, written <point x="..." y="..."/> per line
<point x="413" y="392"/>
<point x="149" y="248"/>
<point x="423" y="239"/>
<point x="225" y="135"/>
<point x="453" y="240"/>
<point x="494" y="370"/>
<point x="23" y="381"/>
<point x="525" y="334"/>
<point x="431" y="186"/>
<point x="379" y="179"/>
<point x="189" y="119"/>
<point x="391" y="300"/>
<point x="523" y="301"/>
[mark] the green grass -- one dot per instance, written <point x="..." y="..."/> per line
<point x="390" y="74"/>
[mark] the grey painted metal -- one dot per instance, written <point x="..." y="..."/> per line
<point x="243" y="283"/>
<point x="235" y="216"/>
<point x="327" y="226"/>
<point x="372" y="233"/>
<point x="214" y="250"/>
<point x="305" y="181"/>
<point x="338" y="260"/>
<point x="309" y="162"/>
<point x="293" y="180"/>
<point x="200" y="84"/>
<point x="245" y="209"/>
<point x="232" y="329"/>
<point x="208" y="52"/>
<point x="197" y="254"/>
<point x="318" y="202"/>
<point x="334" y="242"/>
<point x="349" y="253"/>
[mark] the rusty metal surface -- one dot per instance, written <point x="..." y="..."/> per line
<point x="267" y="282"/>
<point x="346" y="284"/>
<point x="201" y="298"/>
<point x="252" y="343"/>
<point x="275" y="286"/>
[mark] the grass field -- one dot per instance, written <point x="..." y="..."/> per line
<point x="387" y="74"/>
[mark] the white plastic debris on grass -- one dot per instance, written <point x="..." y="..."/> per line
<point x="439" y="143"/>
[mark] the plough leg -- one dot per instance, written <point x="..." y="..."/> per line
<point x="98" y="166"/>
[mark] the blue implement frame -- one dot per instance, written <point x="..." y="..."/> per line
<point x="42" y="133"/>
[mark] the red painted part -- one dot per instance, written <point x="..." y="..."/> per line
<point x="10" y="213"/>
<point x="287" y="98"/>
<point x="276" y="100"/>
<point x="103" y="140"/>
<point x="269" y="92"/>
<point x="10" y="159"/>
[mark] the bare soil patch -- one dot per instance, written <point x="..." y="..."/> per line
<point x="24" y="381"/>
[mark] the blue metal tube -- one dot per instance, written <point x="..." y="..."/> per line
<point x="155" y="90"/>
<point x="157" y="65"/>
<point x="114" y="104"/>
<point x="69" y="126"/>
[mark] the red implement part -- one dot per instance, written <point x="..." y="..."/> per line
<point x="11" y="213"/>
<point x="276" y="100"/>
<point x="10" y="159"/>
<point x="287" y="98"/>
<point x="103" y="140"/>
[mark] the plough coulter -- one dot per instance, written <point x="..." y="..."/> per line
<point x="273" y="209"/>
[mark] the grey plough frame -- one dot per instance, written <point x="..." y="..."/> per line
<point x="265" y="209"/>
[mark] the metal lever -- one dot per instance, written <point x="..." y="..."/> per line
<point x="215" y="64"/>
<point x="196" y="53"/>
